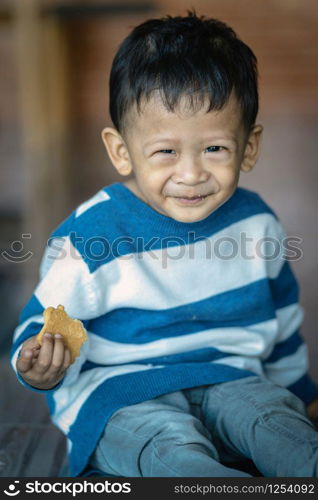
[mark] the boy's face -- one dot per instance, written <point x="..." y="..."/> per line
<point x="185" y="164"/>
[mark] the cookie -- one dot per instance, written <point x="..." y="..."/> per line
<point x="72" y="330"/>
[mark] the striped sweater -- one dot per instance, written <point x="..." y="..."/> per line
<point x="167" y="305"/>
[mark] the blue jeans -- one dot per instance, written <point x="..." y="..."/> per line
<point x="198" y="433"/>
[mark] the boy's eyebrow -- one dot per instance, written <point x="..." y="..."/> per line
<point x="155" y="141"/>
<point x="207" y="139"/>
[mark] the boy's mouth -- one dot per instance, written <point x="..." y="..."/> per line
<point x="190" y="200"/>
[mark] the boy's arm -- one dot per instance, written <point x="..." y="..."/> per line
<point x="287" y="364"/>
<point x="64" y="280"/>
<point x="312" y="410"/>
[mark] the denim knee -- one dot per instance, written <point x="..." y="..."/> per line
<point x="262" y="395"/>
<point x="268" y="397"/>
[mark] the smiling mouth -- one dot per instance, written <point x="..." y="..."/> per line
<point x="187" y="200"/>
<point x="192" y="197"/>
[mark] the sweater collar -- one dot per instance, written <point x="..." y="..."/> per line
<point x="162" y="223"/>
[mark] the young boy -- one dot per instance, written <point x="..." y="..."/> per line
<point x="194" y="359"/>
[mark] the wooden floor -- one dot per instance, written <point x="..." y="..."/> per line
<point x="30" y="445"/>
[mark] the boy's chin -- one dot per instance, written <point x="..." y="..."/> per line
<point x="189" y="217"/>
<point x="184" y="214"/>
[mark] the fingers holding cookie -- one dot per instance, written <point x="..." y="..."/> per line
<point x="56" y="321"/>
<point x="45" y="366"/>
<point x="45" y="358"/>
<point x="54" y="357"/>
<point x="29" y="352"/>
<point x="60" y="352"/>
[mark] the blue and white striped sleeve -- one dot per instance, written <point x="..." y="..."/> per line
<point x="64" y="279"/>
<point x="287" y="364"/>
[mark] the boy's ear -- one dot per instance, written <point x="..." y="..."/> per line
<point x="117" y="150"/>
<point x="252" y="148"/>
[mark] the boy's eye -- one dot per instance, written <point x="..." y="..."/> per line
<point x="210" y="149"/>
<point x="166" y="151"/>
<point x="214" y="149"/>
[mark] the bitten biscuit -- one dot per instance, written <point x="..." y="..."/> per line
<point x="72" y="330"/>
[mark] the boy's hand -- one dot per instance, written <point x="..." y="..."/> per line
<point x="44" y="366"/>
<point x="312" y="410"/>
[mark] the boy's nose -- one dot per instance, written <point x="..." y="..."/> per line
<point x="190" y="172"/>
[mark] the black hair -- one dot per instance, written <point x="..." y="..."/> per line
<point x="189" y="56"/>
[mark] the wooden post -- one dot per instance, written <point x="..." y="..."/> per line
<point x="42" y="71"/>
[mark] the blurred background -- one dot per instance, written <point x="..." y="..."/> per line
<point x="55" y="58"/>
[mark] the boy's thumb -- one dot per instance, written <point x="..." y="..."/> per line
<point x="24" y="363"/>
